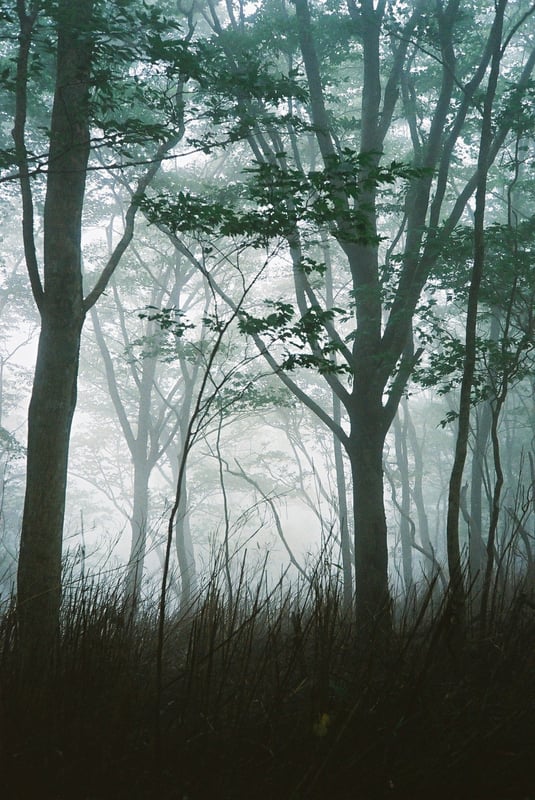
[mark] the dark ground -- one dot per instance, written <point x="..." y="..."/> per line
<point x="272" y="699"/>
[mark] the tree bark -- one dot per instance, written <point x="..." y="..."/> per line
<point x="366" y="443"/>
<point x="49" y="423"/>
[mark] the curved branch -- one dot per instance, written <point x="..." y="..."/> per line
<point x="130" y="218"/>
<point x="27" y="22"/>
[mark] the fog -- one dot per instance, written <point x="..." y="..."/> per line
<point x="267" y="416"/>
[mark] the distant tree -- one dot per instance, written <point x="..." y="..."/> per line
<point x="152" y="366"/>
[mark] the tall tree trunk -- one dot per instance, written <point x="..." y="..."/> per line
<point x="476" y="553"/>
<point x="400" y="433"/>
<point x="184" y="549"/>
<point x="373" y="605"/>
<point x="49" y="423"/>
<point x="497" y="406"/>
<point x="139" y="522"/>
<point x="418" y="492"/>
<point x="143" y="460"/>
<point x="138" y="441"/>
<point x="343" y="515"/>
<point x="477" y="549"/>
<point x="454" y="495"/>
<point x="62" y="309"/>
<point x="62" y="314"/>
<point x="501" y="384"/>
<point x="341" y="489"/>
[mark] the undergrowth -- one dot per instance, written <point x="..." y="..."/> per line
<point x="274" y="695"/>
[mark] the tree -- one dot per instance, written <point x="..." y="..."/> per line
<point x="318" y="173"/>
<point x="92" y="55"/>
<point x="152" y="394"/>
<point x="499" y="300"/>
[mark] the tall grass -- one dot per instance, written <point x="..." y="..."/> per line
<point x="272" y="695"/>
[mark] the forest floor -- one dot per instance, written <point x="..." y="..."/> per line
<point x="275" y="698"/>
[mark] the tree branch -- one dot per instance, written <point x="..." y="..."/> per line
<point x="27" y="22"/>
<point x="128" y="233"/>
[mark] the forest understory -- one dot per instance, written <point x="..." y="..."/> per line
<point x="273" y="695"/>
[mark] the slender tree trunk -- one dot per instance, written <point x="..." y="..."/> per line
<point x="226" y="514"/>
<point x="454" y="495"/>
<point x="183" y="539"/>
<point x="501" y="385"/>
<point x="343" y="514"/>
<point x="184" y="549"/>
<point x="418" y="491"/>
<point x="143" y="462"/>
<point x="400" y="433"/>
<point x="476" y="543"/>
<point x="62" y="314"/>
<point x="495" y="509"/>
<point x="341" y="489"/>
<point x="140" y="513"/>
<point x="137" y="439"/>
<point x="477" y="550"/>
